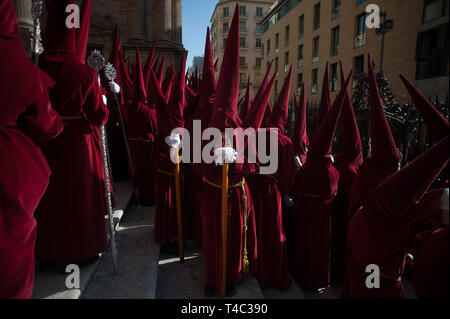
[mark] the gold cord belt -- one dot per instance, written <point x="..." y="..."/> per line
<point x="391" y="278"/>
<point x="71" y="118"/>
<point x="137" y="139"/>
<point x="271" y="176"/>
<point x="241" y="184"/>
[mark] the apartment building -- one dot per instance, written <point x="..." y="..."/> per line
<point x="250" y="59"/>
<point x="310" y="33"/>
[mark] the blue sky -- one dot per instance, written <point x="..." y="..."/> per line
<point x="196" y="17"/>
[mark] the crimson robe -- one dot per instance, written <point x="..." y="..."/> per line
<point x="142" y="126"/>
<point x="24" y="176"/>
<point x="267" y="194"/>
<point x="430" y="273"/>
<point x="347" y="172"/>
<point x="310" y="224"/>
<point x="71" y="215"/>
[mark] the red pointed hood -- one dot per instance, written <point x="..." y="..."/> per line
<point x="149" y="63"/>
<point x="246" y="102"/>
<point x="437" y="125"/>
<point x="267" y="115"/>
<point x="207" y="90"/>
<point x="279" y="116"/>
<point x="300" y="135"/>
<point x="383" y="149"/>
<point x="255" y="116"/>
<point x="9" y="26"/>
<point x="177" y="101"/>
<point x="264" y="83"/>
<point x="163" y="112"/>
<point x="127" y="83"/>
<point x="115" y="48"/>
<point x="403" y="190"/>
<point x="59" y="41"/>
<point x="159" y="73"/>
<point x="82" y="33"/>
<point x="225" y="106"/>
<point x="322" y="142"/>
<point x="325" y="101"/>
<point x="350" y="151"/>
<point x="140" y="91"/>
<point x="168" y="82"/>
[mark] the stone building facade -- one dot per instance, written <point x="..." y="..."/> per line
<point x="310" y="33"/>
<point x="139" y="21"/>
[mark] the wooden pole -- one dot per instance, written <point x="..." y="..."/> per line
<point x="179" y="212"/>
<point x="224" y="228"/>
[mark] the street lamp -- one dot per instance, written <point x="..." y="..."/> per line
<point x="386" y="26"/>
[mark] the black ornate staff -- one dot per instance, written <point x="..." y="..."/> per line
<point x="97" y="62"/>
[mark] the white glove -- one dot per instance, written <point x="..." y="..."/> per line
<point x="298" y="162"/>
<point x="114" y="87"/>
<point x="332" y="158"/>
<point x="288" y="201"/>
<point x="444" y="200"/>
<point x="105" y="100"/>
<point x="173" y="140"/>
<point x="224" y="155"/>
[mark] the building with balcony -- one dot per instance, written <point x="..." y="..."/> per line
<point x="250" y="60"/>
<point x="310" y="33"/>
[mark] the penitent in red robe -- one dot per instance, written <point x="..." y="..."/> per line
<point x="210" y="210"/>
<point x="71" y="214"/>
<point x="267" y="193"/>
<point x="141" y="134"/>
<point x="26" y="121"/>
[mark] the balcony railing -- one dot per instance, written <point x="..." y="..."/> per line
<point x="243" y="30"/>
<point x="243" y="65"/>
<point x="243" y="46"/>
<point x="314" y="89"/>
<point x="243" y="14"/>
<point x="226" y="16"/>
<point x="300" y="63"/>
<point x="315" y="58"/>
<point x="360" y="40"/>
<point x="257" y="66"/>
<point x="286" y="68"/>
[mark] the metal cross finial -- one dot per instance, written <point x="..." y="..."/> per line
<point x="96" y="60"/>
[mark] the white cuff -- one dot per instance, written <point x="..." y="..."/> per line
<point x="105" y="100"/>
<point x="173" y="140"/>
<point x="298" y="162"/>
<point x="224" y="155"/>
<point x="114" y="87"/>
<point x="444" y="200"/>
